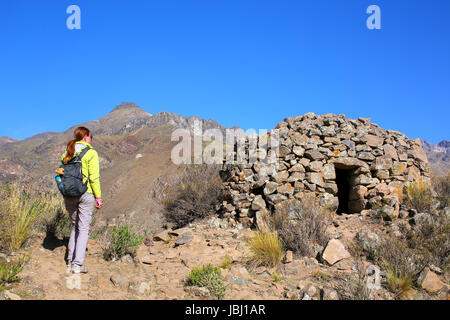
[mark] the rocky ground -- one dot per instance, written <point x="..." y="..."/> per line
<point x="162" y="264"/>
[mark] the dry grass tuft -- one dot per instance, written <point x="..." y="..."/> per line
<point x="24" y="212"/>
<point x="418" y="195"/>
<point x="441" y="186"/>
<point x="265" y="249"/>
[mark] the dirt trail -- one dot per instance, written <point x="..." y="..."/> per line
<point x="159" y="271"/>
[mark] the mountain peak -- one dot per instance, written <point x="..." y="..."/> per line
<point x="126" y="105"/>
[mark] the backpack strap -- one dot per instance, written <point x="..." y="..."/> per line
<point x="79" y="157"/>
<point x="83" y="152"/>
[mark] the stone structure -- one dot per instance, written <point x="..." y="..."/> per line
<point x="350" y="165"/>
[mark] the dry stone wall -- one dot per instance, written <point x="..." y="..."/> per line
<point x="349" y="165"/>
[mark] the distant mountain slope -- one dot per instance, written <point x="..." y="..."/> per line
<point x="4" y="140"/>
<point x="439" y="156"/>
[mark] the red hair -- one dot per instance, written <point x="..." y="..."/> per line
<point x="79" y="135"/>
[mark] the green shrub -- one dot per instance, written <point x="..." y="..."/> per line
<point x="9" y="270"/>
<point x="122" y="241"/>
<point x="207" y="276"/>
<point x="194" y="196"/>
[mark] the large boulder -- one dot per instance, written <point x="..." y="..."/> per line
<point x="335" y="251"/>
<point x="429" y="281"/>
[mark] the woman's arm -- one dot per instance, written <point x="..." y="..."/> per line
<point x="94" y="175"/>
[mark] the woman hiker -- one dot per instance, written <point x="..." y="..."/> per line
<point x="80" y="208"/>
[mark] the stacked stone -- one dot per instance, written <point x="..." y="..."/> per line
<point x="311" y="148"/>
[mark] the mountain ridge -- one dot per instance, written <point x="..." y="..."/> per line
<point x="438" y="155"/>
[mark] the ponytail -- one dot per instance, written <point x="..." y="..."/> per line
<point x="70" y="151"/>
<point x="78" y="134"/>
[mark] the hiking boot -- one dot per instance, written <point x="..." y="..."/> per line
<point x="79" y="269"/>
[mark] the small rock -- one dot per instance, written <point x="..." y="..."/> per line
<point x="127" y="258"/>
<point x="198" y="291"/>
<point x="435" y="269"/>
<point x="334" y="252"/>
<point x="11" y="296"/>
<point x="4" y="258"/>
<point x="147" y="259"/>
<point x="421" y="217"/>
<point x="430" y="281"/>
<point x="312" y="291"/>
<point x="288" y="257"/>
<point x="139" y="287"/>
<point x="162" y="236"/>
<point x="330" y="294"/>
<point x="237" y="280"/>
<point x="367" y="239"/>
<point x="148" y="241"/>
<point x="185" y="238"/>
<point x="403" y="214"/>
<point x="118" y="280"/>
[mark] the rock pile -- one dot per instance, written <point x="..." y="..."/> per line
<point x="350" y="165"/>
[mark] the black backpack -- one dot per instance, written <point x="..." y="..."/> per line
<point x="72" y="178"/>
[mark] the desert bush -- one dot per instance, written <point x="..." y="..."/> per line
<point x="354" y="287"/>
<point x="265" y="249"/>
<point x="122" y="240"/>
<point x="418" y="195"/>
<point x="301" y="225"/>
<point x="24" y="212"/>
<point x="441" y="186"/>
<point x="431" y="237"/>
<point x="196" y="194"/>
<point x="9" y="270"/>
<point x="207" y="276"/>
<point x="404" y="258"/>
<point x="401" y="262"/>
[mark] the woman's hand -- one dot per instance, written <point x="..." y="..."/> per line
<point x="99" y="203"/>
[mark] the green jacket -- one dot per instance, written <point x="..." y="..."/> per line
<point x="90" y="167"/>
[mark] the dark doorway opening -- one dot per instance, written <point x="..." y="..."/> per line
<point x="343" y="185"/>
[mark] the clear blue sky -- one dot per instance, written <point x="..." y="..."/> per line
<point x="241" y="62"/>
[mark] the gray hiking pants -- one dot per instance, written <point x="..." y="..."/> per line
<point x="80" y="212"/>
